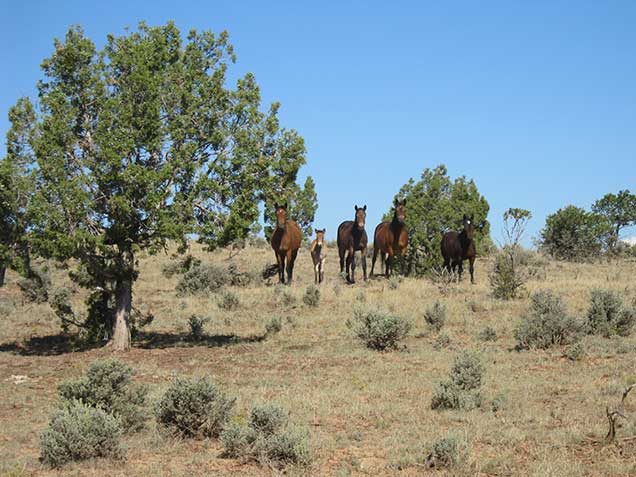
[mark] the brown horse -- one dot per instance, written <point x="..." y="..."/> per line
<point x="457" y="247"/>
<point x="391" y="238"/>
<point x="318" y="255"/>
<point x="285" y="242"/>
<point x="353" y="237"/>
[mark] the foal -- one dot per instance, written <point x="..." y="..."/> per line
<point x="318" y="255"/>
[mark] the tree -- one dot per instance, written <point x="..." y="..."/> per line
<point x="619" y="211"/>
<point x="508" y="277"/>
<point x="141" y="143"/>
<point x="436" y="204"/>
<point x="572" y="233"/>
<point x="16" y="190"/>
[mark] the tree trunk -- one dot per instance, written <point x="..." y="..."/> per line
<point x="3" y="270"/>
<point x="121" y="339"/>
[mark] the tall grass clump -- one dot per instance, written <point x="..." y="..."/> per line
<point x="546" y="323"/>
<point x="108" y="386"/>
<point x="194" y="408"/>
<point x="79" y="431"/>
<point x="377" y="328"/>
<point x="268" y="438"/>
<point x="447" y="452"/>
<point x="228" y="300"/>
<point x="608" y="315"/>
<point x="435" y="315"/>
<point x="462" y="389"/>
<point x="312" y="296"/>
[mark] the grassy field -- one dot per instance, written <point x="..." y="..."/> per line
<point x="368" y="413"/>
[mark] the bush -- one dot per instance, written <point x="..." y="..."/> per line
<point x="268" y="438"/>
<point x="194" y="408"/>
<point x="108" y="386"/>
<point x="608" y="316"/>
<point x="507" y="277"/>
<point x="435" y="315"/>
<point x="379" y="329"/>
<point x="546" y="323"/>
<point x="283" y="296"/>
<point x="238" y="278"/>
<point x="461" y="390"/>
<point x="202" y="279"/>
<point x="180" y="266"/>
<point x="228" y="300"/>
<point x="197" y="325"/>
<point x="575" y="352"/>
<point x="273" y="326"/>
<point x="499" y="402"/>
<point x="442" y="341"/>
<point x="79" y="431"/>
<point x="312" y="296"/>
<point x="35" y="288"/>
<point x="361" y="297"/>
<point x="488" y="334"/>
<point x="394" y="282"/>
<point x="446" y="452"/>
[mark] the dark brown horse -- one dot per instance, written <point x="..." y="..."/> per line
<point x="391" y="238"/>
<point x="457" y="247"/>
<point x="285" y="242"/>
<point x="353" y="237"/>
<point x="318" y="255"/>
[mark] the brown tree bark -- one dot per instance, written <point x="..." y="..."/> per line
<point x="3" y="270"/>
<point x="121" y="339"/>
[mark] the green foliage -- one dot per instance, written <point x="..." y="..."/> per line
<point x="197" y="326"/>
<point x="228" y="300"/>
<point x="608" y="315"/>
<point x="35" y="287"/>
<point x="619" y="211"/>
<point x="573" y="234"/>
<point x="312" y="296"/>
<point x="378" y="329"/>
<point x="79" y="431"/>
<point x="146" y="141"/>
<point x="461" y="391"/>
<point x="435" y="315"/>
<point x="194" y="408"/>
<point x="180" y="266"/>
<point x="447" y="452"/>
<point x="546" y="323"/>
<point x="108" y="386"/>
<point x="268" y="438"/>
<point x="436" y="204"/>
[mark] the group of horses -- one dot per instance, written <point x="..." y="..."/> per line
<point x="390" y="238"/>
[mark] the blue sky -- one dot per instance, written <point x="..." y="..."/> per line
<point x="536" y="101"/>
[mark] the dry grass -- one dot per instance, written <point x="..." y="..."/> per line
<point x="368" y="413"/>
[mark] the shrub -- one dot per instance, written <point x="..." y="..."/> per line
<point x="79" y="431"/>
<point x="194" y="408"/>
<point x="608" y="316"/>
<point x="461" y="390"/>
<point x="488" y="334"/>
<point x="499" y="402"/>
<point x="268" y="438"/>
<point x="379" y="329"/>
<point x="273" y="326"/>
<point x="312" y="296"/>
<point x="435" y="315"/>
<point x="442" y="341"/>
<point x="394" y="282"/>
<point x="446" y="452"/>
<point x="197" y="325"/>
<point x="202" y="279"/>
<point x="35" y="287"/>
<point x="507" y="277"/>
<point x="228" y="300"/>
<point x="238" y="278"/>
<point x="575" y="352"/>
<point x="546" y="323"/>
<point x="361" y="297"/>
<point x="180" y="266"/>
<point x="283" y="296"/>
<point x="108" y="386"/>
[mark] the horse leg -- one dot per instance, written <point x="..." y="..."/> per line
<point x="341" y="252"/>
<point x="471" y="267"/>
<point x="388" y="263"/>
<point x="322" y="271"/>
<point x="317" y="273"/>
<point x="447" y="265"/>
<point x="353" y="265"/>
<point x="291" y="258"/>
<point x="402" y="263"/>
<point x="375" y="255"/>
<point x="363" y="256"/>
<point x="461" y="269"/>
<point x="349" y="265"/>
<point x="281" y="267"/>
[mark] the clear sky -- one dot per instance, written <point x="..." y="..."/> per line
<point x="536" y="101"/>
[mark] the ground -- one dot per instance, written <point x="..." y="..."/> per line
<point x="367" y="413"/>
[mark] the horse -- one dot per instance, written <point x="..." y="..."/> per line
<point x="353" y="237"/>
<point x="457" y="247"/>
<point x="318" y="256"/>
<point x="391" y="238"/>
<point x="285" y="242"/>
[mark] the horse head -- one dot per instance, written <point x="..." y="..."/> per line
<point x="399" y="211"/>
<point x="281" y="215"/>
<point x="361" y="216"/>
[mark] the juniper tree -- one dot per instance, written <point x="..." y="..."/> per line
<point x="143" y="142"/>
<point x="619" y="211"/>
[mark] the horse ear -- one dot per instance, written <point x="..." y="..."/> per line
<point x="275" y="205"/>
<point x="285" y="206"/>
<point x="365" y="207"/>
<point x="472" y="217"/>
<point x="395" y="202"/>
<point x="356" y="207"/>
<point x="404" y="201"/>
<point x="465" y="217"/>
